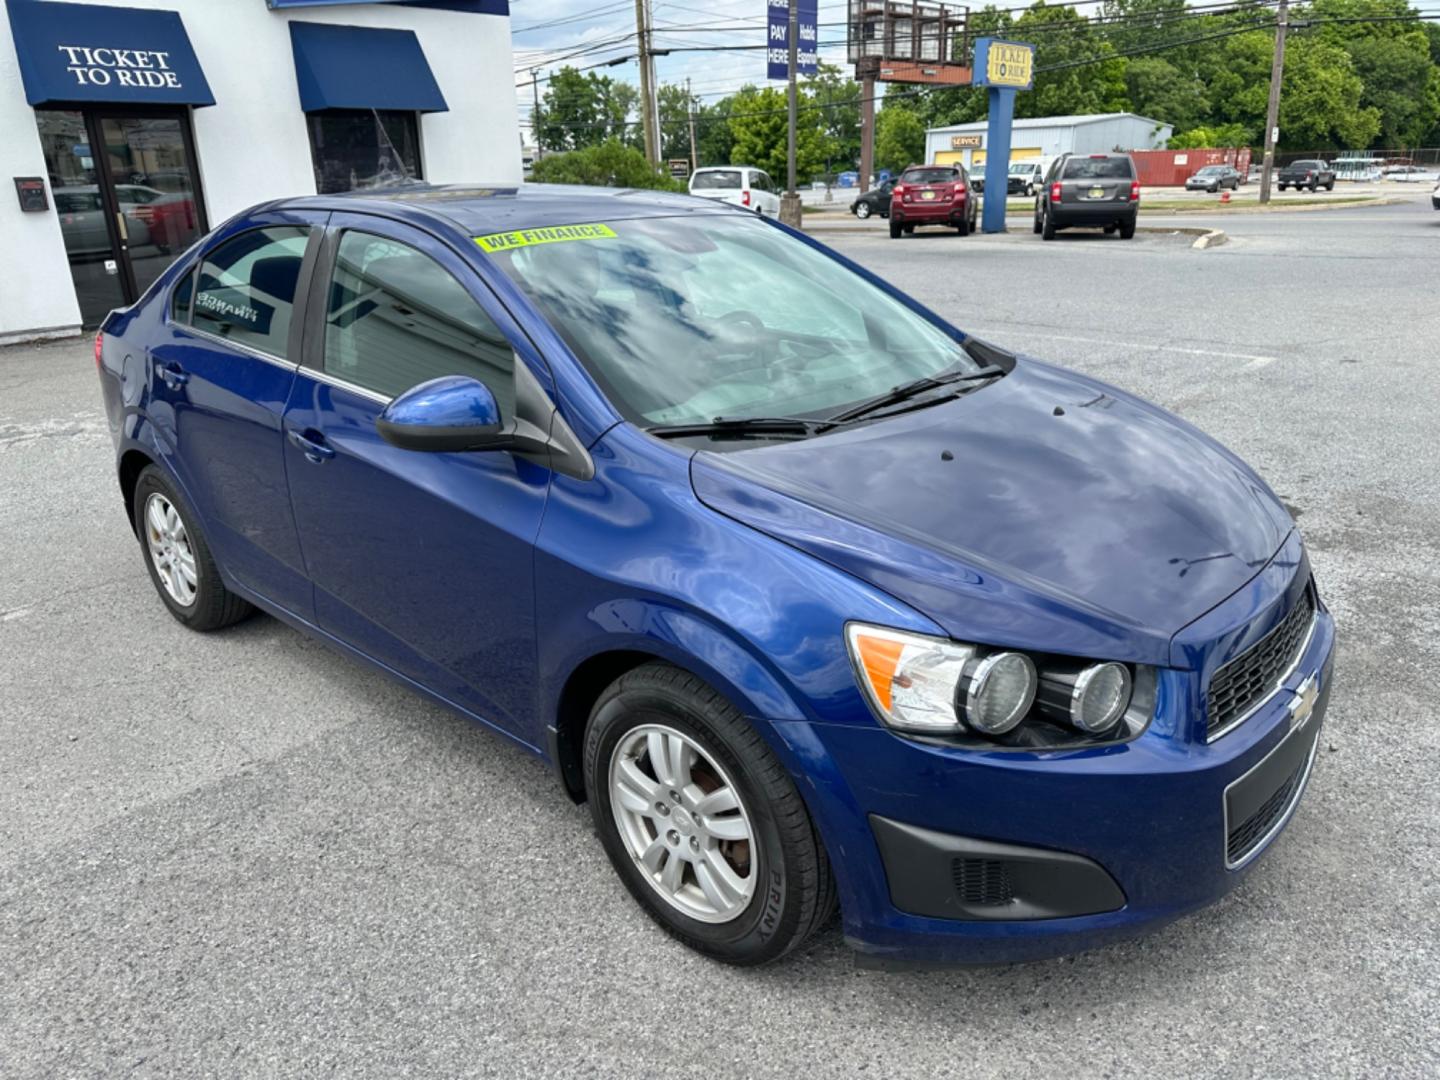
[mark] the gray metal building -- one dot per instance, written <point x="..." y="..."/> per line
<point x="1045" y="137"/>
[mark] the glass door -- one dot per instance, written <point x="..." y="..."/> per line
<point x="127" y="196"/>
<point x="85" y="223"/>
<point x="154" y="189"/>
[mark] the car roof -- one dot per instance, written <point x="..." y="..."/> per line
<point x="478" y="209"/>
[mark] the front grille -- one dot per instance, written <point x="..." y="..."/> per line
<point x="982" y="882"/>
<point x="1244" y="837"/>
<point x="1250" y="677"/>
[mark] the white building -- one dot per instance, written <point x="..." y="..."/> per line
<point x="1045" y="137"/>
<point x="131" y="127"/>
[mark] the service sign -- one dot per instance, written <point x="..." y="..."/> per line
<point x="961" y="142"/>
<point x="1009" y="64"/>
<point x="777" y="29"/>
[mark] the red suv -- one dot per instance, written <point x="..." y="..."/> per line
<point x="932" y="195"/>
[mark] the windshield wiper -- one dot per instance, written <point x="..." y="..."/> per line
<point x="741" y="426"/>
<point x="908" y="390"/>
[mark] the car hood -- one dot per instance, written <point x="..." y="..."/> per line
<point x="1045" y="510"/>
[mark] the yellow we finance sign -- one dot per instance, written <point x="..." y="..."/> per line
<point x="551" y="234"/>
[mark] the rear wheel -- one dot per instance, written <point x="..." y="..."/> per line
<point x="1127" y="230"/>
<point x="1330" y="186"/>
<point x="1282" y="187"/>
<point x="895" y="229"/>
<point x="908" y="229"/>
<point x="701" y="821"/>
<point x="963" y="227"/>
<point x="1047" y="226"/>
<point x="178" y="558"/>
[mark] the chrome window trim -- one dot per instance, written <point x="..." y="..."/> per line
<point x="1284" y="819"/>
<point x="1279" y="683"/>
<point x="249" y="350"/>
<point x="354" y="388"/>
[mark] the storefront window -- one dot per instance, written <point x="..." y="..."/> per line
<point x="355" y="149"/>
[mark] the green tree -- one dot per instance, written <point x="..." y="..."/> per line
<point x="758" y="124"/>
<point x="836" y="96"/>
<point x="674" y="121"/>
<point x="585" y="109"/>
<point x="1160" y="90"/>
<point x="899" y="139"/>
<point x="610" y="164"/>
<point x="712" y="132"/>
<point x="1224" y="135"/>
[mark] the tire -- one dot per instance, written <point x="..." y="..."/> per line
<point x="791" y="888"/>
<point x="1330" y="186"/>
<point x="964" y="227"/>
<point x="1314" y="185"/>
<point x="1047" y="227"/>
<point x="895" y="229"/>
<point x="1282" y="187"/>
<point x="862" y="210"/>
<point x="212" y="606"/>
<point x="909" y="229"/>
<point x="1127" y="230"/>
<point x="1035" y="225"/>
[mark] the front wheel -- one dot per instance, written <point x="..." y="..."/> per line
<point x="1330" y="186"/>
<point x="701" y="821"/>
<point x="862" y="211"/>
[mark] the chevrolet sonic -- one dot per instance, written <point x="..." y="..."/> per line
<point x="819" y="601"/>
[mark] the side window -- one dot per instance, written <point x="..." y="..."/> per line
<point x="247" y="288"/>
<point x="180" y="299"/>
<point x="397" y="318"/>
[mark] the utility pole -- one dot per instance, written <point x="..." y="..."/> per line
<point x="690" y="112"/>
<point x="867" y="128"/>
<point x="535" y="82"/>
<point x="1272" y="111"/>
<point x="790" y="204"/>
<point x="647" y="89"/>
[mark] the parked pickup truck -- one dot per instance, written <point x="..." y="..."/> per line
<point x="1311" y="173"/>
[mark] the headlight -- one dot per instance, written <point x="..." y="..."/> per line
<point x="910" y="679"/>
<point x="1089" y="697"/>
<point x="984" y="696"/>
<point x="998" y="691"/>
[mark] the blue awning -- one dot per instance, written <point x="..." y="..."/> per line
<point x="89" y="52"/>
<point x="360" y="67"/>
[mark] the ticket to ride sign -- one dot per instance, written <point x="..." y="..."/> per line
<point x="1004" y="63"/>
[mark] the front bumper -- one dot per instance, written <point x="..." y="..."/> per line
<point x="1076" y="848"/>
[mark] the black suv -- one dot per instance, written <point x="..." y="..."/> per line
<point x="1096" y="190"/>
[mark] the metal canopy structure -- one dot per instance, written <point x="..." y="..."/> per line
<point x="894" y="41"/>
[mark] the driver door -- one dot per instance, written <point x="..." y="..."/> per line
<point x="422" y="561"/>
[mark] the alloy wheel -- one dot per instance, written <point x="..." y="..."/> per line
<point x="170" y="550"/>
<point x="684" y="823"/>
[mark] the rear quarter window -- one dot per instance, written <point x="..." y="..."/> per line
<point x="716" y="180"/>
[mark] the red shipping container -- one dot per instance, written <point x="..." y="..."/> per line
<point x="1171" y="168"/>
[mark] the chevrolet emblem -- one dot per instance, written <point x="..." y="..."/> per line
<point x="1306" y="694"/>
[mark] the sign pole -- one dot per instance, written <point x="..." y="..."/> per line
<point x="1004" y="67"/>
<point x="997" y="158"/>
<point x="790" y="205"/>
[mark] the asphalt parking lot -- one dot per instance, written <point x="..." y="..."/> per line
<point x="242" y="855"/>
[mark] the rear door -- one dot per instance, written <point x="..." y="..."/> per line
<point x="220" y="374"/>
<point x="423" y="561"/>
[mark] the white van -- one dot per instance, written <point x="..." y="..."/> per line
<point x="743" y="185"/>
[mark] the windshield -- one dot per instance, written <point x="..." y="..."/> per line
<point x="683" y="319"/>
<point x="1210" y="170"/>
<point x="930" y="176"/>
<point x="1105" y="168"/>
<point x="716" y="179"/>
<point x="1022" y="168"/>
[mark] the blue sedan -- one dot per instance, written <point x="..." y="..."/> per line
<point x="819" y="601"/>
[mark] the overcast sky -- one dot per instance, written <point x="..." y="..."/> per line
<point x="541" y="39"/>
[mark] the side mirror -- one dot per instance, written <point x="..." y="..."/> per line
<point x="448" y="414"/>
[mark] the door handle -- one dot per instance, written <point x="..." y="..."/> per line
<point x="124" y="229"/>
<point x="172" y="376"/>
<point x="315" y="452"/>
